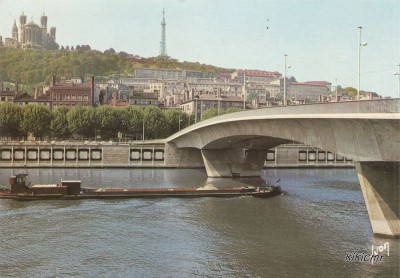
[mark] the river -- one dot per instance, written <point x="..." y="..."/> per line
<point x="306" y="233"/>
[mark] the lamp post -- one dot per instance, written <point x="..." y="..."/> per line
<point x="195" y="117"/>
<point x="244" y="90"/>
<point x="398" y="75"/>
<point x="219" y="99"/>
<point x="359" y="60"/>
<point x="179" y="124"/>
<point x="284" y="81"/>
<point x="336" y="90"/>
<point x="201" y="110"/>
<point x="143" y="127"/>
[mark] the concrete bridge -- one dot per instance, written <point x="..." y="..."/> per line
<point x="235" y="145"/>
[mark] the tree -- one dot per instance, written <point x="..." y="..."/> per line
<point x="154" y="122"/>
<point x="209" y="113"/>
<point x="108" y="121"/>
<point x="59" y="123"/>
<point x="232" y="110"/>
<point x="36" y="120"/>
<point x="109" y="51"/>
<point x="172" y="118"/>
<point x="77" y="72"/>
<point x="131" y="120"/>
<point x="81" y="121"/>
<point x="10" y="120"/>
<point x="351" y="91"/>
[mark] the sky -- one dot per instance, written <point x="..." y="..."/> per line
<point x="320" y="37"/>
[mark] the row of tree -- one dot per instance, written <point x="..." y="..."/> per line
<point x="104" y="122"/>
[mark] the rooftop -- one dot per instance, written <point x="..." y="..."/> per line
<point x="260" y="73"/>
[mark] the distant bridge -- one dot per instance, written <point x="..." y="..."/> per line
<point x="236" y="144"/>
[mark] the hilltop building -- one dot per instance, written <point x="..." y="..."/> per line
<point x="31" y="35"/>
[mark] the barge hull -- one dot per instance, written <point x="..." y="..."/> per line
<point x="138" y="194"/>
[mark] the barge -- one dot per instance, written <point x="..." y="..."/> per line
<point x="72" y="190"/>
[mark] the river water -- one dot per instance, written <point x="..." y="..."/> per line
<point x="307" y="233"/>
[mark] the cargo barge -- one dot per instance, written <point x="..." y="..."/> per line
<point x="72" y="190"/>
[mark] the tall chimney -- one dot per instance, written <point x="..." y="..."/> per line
<point x="2" y="86"/>
<point x="53" y="80"/>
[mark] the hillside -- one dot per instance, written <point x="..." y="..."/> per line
<point x="35" y="68"/>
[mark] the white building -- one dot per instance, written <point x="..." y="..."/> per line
<point x="200" y="104"/>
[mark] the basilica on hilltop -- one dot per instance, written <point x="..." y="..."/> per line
<point x="30" y="35"/>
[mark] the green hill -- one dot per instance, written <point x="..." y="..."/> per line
<point x="35" y="68"/>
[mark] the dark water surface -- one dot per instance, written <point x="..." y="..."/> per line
<point x="306" y="233"/>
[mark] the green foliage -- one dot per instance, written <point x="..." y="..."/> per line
<point x="232" y="110"/>
<point x="175" y="120"/>
<point x="108" y="120"/>
<point x="131" y="121"/>
<point x="10" y="120"/>
<point x="86" y="122"/>
<point x="211" y="112"/>
<point x="36" y="120"/>
<point x="59" y="123"/>
<point x="35" y="68"/>
<point x="154" y="123"/>
<point x="81" y="121"/>
<point x="351" y="91"/>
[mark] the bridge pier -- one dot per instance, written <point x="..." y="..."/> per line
<point x="380" y="185"/>
<point x="233" y="162"/>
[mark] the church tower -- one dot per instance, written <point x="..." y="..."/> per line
<point x="43" y="28"/>
<point x="22" y="22"/>
<point x="163" y="43"/>
<point x="15" y="31"/>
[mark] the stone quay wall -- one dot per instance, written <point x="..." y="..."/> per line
<point x="145" y="155"/>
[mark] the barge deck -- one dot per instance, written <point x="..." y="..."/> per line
<point x="72" y="190"/>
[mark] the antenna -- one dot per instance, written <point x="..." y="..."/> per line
<point x="163" y="43"/>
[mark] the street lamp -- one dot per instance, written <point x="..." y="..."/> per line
<point x="244" y="90"/>
<point x="359" y="58"/>
<point x="195" y="117"/>
<point x="284" y="80"/>
<point x="219" y="99"/>
<point x="143" y="127"/>
<point x="398" y="74"/>
<point x="201" y="109"/>
<point x="180" y="120"/>
<point x="336" y="90"/>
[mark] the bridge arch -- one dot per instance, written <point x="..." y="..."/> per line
<point x="365" y="137"/>
<point x="367" y="131"/>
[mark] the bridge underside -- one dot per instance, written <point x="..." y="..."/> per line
<point x="238" y="156"/>
<point x="380" y="185"/>
<point x="238" y="148"/>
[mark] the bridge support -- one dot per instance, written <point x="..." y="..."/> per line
<point x="233" y="162"/>
<point x="380" y="185"/>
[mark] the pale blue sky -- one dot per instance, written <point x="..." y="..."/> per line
<point x="320" y="37"/>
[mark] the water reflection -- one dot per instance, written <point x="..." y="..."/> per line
<point x="305" y="233"/>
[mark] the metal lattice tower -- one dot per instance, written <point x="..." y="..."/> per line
<point x="163" y="43"/>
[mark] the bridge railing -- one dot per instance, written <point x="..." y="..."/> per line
<point x="346" y="107"/>
<point x="365" y="106"/>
